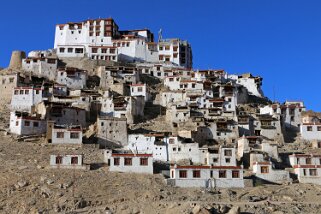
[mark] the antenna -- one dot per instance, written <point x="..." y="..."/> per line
<point x="273" y="93"/>
<point x="160" y="36"/>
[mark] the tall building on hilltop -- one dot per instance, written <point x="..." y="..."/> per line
<point x="101" y="39"/>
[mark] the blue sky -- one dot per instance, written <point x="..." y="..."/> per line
<point x="279" y="40"/>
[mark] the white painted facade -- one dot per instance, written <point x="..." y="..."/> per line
<point x="66" y="135"/>
<point x="176" y="51"/>
<point x="23" y="124"/>
<point x="264" y="170"/>
<point x="101" y="39"/>
<point x="68" y="162"/>
<point x="307" y="167"/>
<point x="139" y="90"/>
<point x="25" y="98"/>
<point x="168" y="98"/>
<point x="182" y="151"/>
<point x="149" y="144"/>
<point x="72" y="77"/>
<point x="220" y="156"/>
<point x="291" y="112"/>
<point x="310" y="131"/>
<point x="251" y="83"/>
<point x="206" y="176"/>
<point x="123" y="107"/>
<point x="41" y="66"/>
<point x="129" y="162"/>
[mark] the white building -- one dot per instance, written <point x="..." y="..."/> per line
<point x="291" y="114"/>
<point x="206" y="176"/>
<point x="123" y="107"/>
<point x="176" y="51"/>
<point x="181" y="149"/>
<point x="264" y="170"/>
<point x="139" y="90"/>
<point x="72" y="77"/>
<point x="152" y="143"/>
<point x="63" y="115"/>
<point x="68" y="162"/>
<point x="251" y="83"/>
<point x="25" y="98"/>
<point x="24" y="124"/>
<point x="168" y="98"/>
<point x="41" y="63"/>
<point x="66" y="134"/>
<point x="307" y="167"/>
<point x="129" y="162"/>
<point x="310" y="131"/>
<point x="218" y="156"/>
<point x="112" y="131"/>
<point x="101" y="39"/>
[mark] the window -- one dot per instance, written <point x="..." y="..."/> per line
<point x="27" y="123"/>
<point x="319" y="128"/>
<point x="228" y="152"/>
<point x="182" y="174"/>
<point x="21" y="91"/>
<point x="16" y="92"/>
<point x="313" y="172"/>
<point x="94" y="50"/>
<point x="74" y="160"/>
<point x="304" y="172"/>
<point x="228" y="160"/>
<point x="60" y="134"/>
<point x="171" y="140"/>
<point x="215" y="160"/>
<point x="196" y="173"/>
<point x="264" y="169"/>
<point x="116" y="161"/>
<point x="160" y="48"/>
<point x="37" y="91"/>
<point x="112" y="50"/>
<point x="128" y="161"/>
<point x="79" y="50"/>
<point x="74" y="135"/>
<point x="17" y="123"/>
<point x="26" y="91"/>
<point x="70" y="50"/>
<point x="144" y="161"/>
<point x="174" y="149"/>
<point x="11" y="80"/>
<point x="235" y="174"/>
<point x="140" y="89"/>
<point x="58" y="160"/>
<point x="308" y="161"/>
<point x="104" y="50"/>
<point x="62" y="50"/>
<point x="222" y="174"/>
<point x="35" y="124"/>
<point x="291" y="111"/>
<point x="167" y="47"/>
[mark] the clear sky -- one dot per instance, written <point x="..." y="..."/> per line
<point x="279" y="40"/>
